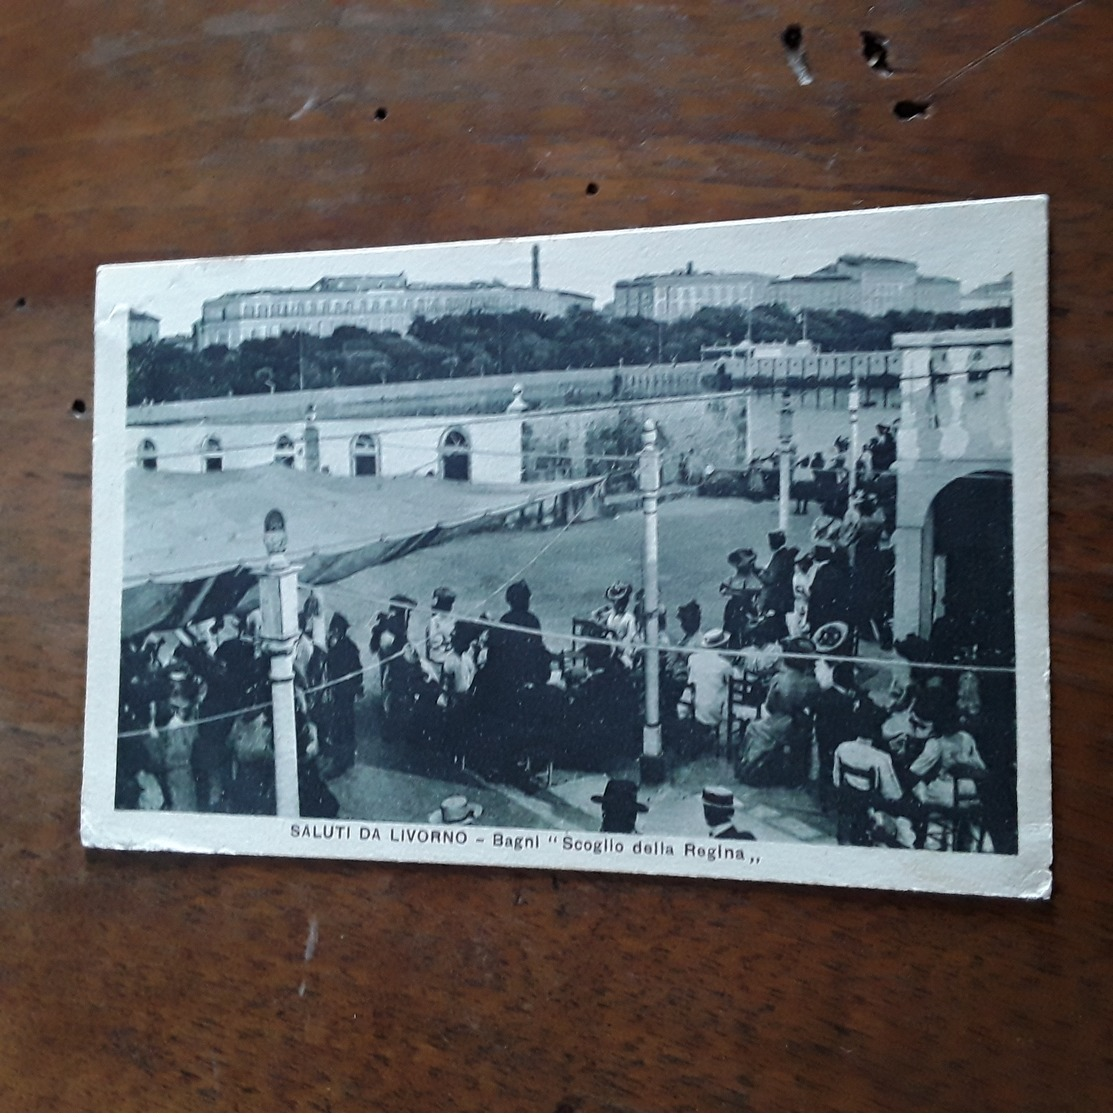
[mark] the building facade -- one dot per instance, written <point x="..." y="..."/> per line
<point x="990" y="296"/>
<point x="209" y="436"/>
<point x="666" y="298"/>
<point x="865" y="284"/>
<point x="871" y="285"/>
<point x="953" y="538"/>
<point x="142" y="328"/>
<point x="372" y="302"/>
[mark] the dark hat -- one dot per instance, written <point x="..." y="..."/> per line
<point x="401" y="600"/>
<point x="721" y="798"/>
<point x="339" y="623"/>
<point x="618" y="590"/>
<point x="689" y="609"/>
<point x="620" y="793"/>
<point x="518" y="594"/>
<point x="798" y="645"/>
<point x="444" y="594"/>
<point x="736" y="557"/>
<point x="913" y="648"/>
<point x="776" y="539"/>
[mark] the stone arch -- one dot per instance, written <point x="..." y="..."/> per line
<point x="212" y="455"/>
<point x="284" y="451"/>
<point x="455" y="455"/>
<point x="148" y="455"/>
<point x="365" y="455"/>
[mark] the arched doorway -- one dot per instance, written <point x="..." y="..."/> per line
<point x="212" y="455"/>
<point x="970" y="542"/>
<point x="148" y="455"/>
<point x="455" y="456"/>
<point x="284" y="451"/>
<point x="365" y="455"/>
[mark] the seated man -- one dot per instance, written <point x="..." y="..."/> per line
<point x="870" y="795"/>
<point x="709" y="675"/>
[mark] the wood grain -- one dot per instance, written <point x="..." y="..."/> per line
<point x="143" y="130"/>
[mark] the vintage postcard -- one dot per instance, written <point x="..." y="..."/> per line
<point x="715" y="550"/>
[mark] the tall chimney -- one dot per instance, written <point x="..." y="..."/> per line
<point x="535" y="281"/>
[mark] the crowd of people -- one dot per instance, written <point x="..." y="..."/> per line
<point x="774" y="686"/>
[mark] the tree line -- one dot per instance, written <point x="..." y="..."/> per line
<point x="484" y="344"/>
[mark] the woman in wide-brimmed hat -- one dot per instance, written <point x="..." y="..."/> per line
<point x="619" y="621"/>
<point x="741" y="590"/>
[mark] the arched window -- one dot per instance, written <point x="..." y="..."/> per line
<point x="148" y="455"/>
<point x="455" y="456"/>
<point x="978" y="367"/>
<point x="365" y="456"/>
<point x="212" y="454"/>
<point x="284" y="451"/>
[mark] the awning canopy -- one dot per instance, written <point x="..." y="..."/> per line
<point x="193" y="539"/>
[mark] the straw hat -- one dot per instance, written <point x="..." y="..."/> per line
<point x="456" y="811"/>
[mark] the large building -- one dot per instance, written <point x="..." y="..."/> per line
<point x="142" y="328"/>
<point x="666" y="298"/>
<point x="864" y="284"/>
<point x="373" y="302"/>
<point x="868" y="285"/>
<point x="990" y="296"/>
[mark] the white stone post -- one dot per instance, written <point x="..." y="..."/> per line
<point x="785" y="456"/>
<point x="649" y="482"/>
<point x="278" y="600"/>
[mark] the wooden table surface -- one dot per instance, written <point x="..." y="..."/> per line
<point x="145" y="129"/>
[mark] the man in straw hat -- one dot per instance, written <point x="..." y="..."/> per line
<point x="718" y="813"/>
<point x="709" y="675"/>
<point x="620" y="807"/>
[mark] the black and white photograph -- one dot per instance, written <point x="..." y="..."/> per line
<point x="711" y="550"/>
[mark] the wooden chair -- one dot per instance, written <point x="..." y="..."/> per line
<point x="857" y="793"/>
<point x="744" y="698"/>
<point x="966" y="811"/>
<point x="576" y="656"/>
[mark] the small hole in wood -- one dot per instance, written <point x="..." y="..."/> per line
<point x="380" y="114"/>
<point x="908" y="110"/>
<point x="78" y="408"/>
<point x="592" y="188"/>
<point x="875" y="50"/>
<point x="792" y="36"/>
<point x="20" y="303"/>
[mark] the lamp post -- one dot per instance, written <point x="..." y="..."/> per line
<point x="278" y="600"/>
<point x="649" y="482"/>
<point x="784" y="455"/>
<point x="855" y="404"/>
